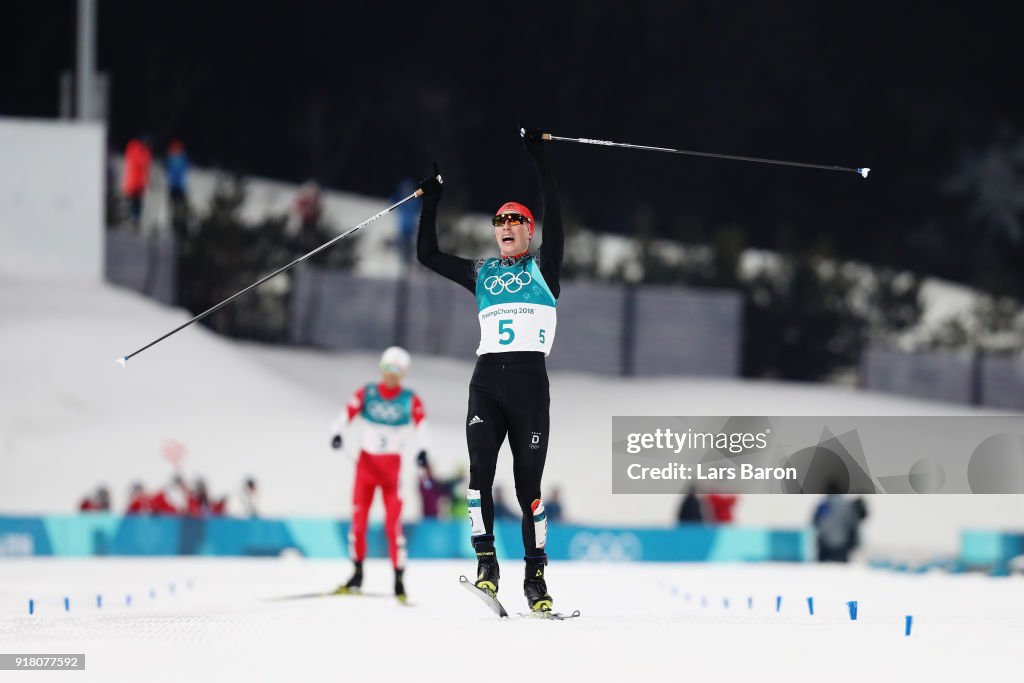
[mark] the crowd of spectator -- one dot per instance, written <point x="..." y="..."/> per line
<point x="836" y="521"/>
<point x="177" y="498"/>
<point x="136" y="177"/>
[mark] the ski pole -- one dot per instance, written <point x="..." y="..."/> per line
<point x="863" y="172"/>
<point x="123" y="360"/>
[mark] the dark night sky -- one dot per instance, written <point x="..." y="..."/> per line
<point x="359" y="94"/>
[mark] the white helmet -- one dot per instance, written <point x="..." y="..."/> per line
<point x="395" y="359"/>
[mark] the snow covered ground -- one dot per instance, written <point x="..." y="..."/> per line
<point x="639" y="622"/>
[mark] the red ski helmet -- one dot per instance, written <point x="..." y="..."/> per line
<point x="516" y="207"/>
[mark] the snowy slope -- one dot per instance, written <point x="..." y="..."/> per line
<point x="71" y="418"/>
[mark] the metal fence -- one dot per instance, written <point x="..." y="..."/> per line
<point x="1002" y="382"/>
<point x="602" y="328"/>
<point x="955" y="377"/>
<point x="146" y="263"/>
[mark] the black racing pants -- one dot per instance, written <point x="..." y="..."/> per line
<point x="508" y="396"/>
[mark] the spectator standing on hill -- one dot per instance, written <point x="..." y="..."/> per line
<point x="177" y="187"/>
<point x="135" y="177"/>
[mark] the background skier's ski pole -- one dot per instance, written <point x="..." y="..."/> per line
<point x="123" y="360"/>
<point x="863" y="172"/>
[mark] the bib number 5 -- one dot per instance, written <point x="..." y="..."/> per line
<point x="505" y="328"/>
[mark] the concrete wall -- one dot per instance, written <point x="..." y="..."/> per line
<point x="51" y="199"/>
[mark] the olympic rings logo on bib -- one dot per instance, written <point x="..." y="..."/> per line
<point x="507" y="282"/>
<point x="385" y="412"/>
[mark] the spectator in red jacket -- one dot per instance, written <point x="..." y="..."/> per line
<point x="159" y="504"/>
<point x="173" y="499"/>
<point x="135" y="176"/>
<point x="138" y="501"/>
<point x="721" y="507"/>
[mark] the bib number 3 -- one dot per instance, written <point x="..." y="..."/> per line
<point x="505" y="332"/>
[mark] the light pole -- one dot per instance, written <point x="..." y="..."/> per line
<point x="86" y="62"/>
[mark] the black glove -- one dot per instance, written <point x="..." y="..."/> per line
<point x="533" y="138"/>
<point x="530" y="134"/>
<point x="336" y="441"/>
<point x="421" y="459"/>
<point x="432" y="185"/>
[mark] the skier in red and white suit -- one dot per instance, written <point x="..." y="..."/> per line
<point x="388" y="412"/>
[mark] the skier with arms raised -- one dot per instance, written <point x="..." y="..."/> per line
<point x="516" y="295"/>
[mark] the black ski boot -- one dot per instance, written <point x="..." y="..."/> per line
<point x="535" y="588"/>
<point x="487" y="573"/>
<point x="355" y="584"/>
<point x="400" y="586"/>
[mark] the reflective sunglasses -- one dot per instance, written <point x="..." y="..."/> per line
<point x="512" y="219"/>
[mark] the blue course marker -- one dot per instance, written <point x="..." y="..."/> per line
<point x="67" y="604"/>
<point x="99" y="601"/>
<point x="909" y="623"/>
<point x="810" y="605"/>
<point x="778" y="603"/>
<point x="128" y="601"/>
<point x="852" y="604"/>
<point x="750" y="603"/>
<point x="31" y="607"/>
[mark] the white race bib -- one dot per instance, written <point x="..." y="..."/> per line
<point x="516" y="327"/>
